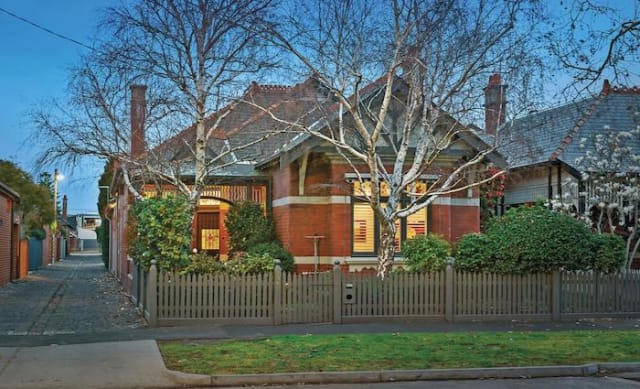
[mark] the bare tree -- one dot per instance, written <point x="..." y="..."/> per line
<point x="593" y="40"/>
<point x="192" y="54"/>
<point x="404" y="76"/>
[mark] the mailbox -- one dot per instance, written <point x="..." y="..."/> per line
<point x="348" y="294"/>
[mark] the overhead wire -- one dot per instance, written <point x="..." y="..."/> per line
<point x="38" y="26"/>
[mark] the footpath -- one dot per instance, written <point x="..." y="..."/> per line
<point x="69" y="325"/>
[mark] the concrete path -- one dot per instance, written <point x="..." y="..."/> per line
<point x="70" y="325"/>
<point x="135" y="364"/>
<point x="76" y="295"/>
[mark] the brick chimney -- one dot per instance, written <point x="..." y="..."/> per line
<point x="64" y="208"/>
<point x="138" y="114"/>
<point x="495" y="104"/>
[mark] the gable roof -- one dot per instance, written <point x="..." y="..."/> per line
<point x="247" y="126"/>
<point x="331" y="113"/>
<point x="555" y="134"/>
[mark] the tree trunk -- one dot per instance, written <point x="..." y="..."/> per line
<point x="387" y="248"/>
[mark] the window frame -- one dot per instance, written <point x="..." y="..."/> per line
<point x="376" y="225"/>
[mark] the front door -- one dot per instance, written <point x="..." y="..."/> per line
<point x="208" y="232"/>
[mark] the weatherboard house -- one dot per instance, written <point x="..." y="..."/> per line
<point x="303" y="183"/>
<point x="546" y="150"/>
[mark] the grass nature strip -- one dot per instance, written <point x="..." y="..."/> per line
<point x="353" y="352"/>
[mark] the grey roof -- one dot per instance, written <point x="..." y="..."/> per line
<point x="248" y="128"/>
<point x="556" y="134"/>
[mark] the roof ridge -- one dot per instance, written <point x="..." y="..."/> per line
<point x="634" y="90"/>
<point x="608" y="89"/>
<point x="576" y="128"/>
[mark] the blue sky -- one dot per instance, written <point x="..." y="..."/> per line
<point x="33" y="68"/>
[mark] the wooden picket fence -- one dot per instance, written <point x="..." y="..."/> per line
<point x="280" y="298"/>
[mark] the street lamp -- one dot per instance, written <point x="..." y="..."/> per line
<point x="56" y="177"/>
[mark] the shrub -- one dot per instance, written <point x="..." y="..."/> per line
<point x="251" y="264"/>
<point x="247" y="226"/>
<point x="162" y="232"/>
<point x="609" y="253"/>
<point x="275" y="250"/>
<point x="473" y="253"/>
<point x="426" y="253"/>
<point x="536" y="239"/>
<point x="203" y="263"/>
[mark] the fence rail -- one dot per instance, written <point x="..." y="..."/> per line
<point x="280" y="298"/>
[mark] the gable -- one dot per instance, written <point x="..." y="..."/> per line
<point x="466" y="141"/>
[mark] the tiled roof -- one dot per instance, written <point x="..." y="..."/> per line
<point x="249" y="125"/>
<point x="555" y="134"/>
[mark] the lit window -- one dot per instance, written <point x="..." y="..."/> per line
<point x="417" y="224"/>
<point x="363" y="228"/>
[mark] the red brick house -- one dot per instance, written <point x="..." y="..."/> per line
<point x="9" y="235"/>
<point x="302" y="182"/>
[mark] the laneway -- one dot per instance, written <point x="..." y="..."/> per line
<point x="76" y="295"/>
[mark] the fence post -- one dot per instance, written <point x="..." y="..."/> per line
<point x="337" y="293"/>
<point x="556" y="291"/>
<point x="449" y="300"/>
<point x="142" y="289"/>
<point x="152" y="294"/>
<point x="277" y="294"/>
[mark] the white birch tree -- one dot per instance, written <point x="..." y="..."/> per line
<point x="192" y="54"/>
<point x="426" y="64"/>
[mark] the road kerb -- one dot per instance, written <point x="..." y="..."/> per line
<point x="590" y="369"/>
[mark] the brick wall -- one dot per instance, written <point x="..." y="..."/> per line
<point x="325" y="209"/>
<point x="452" y="221"/>
<point x="5" y="239"/>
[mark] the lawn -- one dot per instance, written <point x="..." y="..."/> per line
<point x="405" y="351"/>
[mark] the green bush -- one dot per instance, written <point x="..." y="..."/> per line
<point x="247" y="226"/>
<point x="162" y="232"/>
<point x="251" y="264"/>
<point x="536" y="239"/>
<point x="473" y="253"/>
<point x="275" y="250"/>
<point x="609" y="253"/>
<point x="426" y="253"/>
<point x="203" y="263"/>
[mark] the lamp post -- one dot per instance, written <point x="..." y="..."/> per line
<point x="56" y="176"/>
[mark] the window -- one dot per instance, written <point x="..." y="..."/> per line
<point x="365" y="229"/>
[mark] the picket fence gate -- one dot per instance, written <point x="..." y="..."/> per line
<point x="334" y="297"/>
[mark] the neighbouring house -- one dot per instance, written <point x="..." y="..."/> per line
<point x="546" y="150"/>
<point x="302" y="182"/>
<point x="82" y="231"/>
<point x="9" y="235"/>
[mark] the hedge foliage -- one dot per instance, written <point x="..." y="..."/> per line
<point x="276" y="251"/>
<point x="162" y="232"/>
<point x="248" y="226"/>
<point x="202" y="263"/>
<point x="536" y="239"/>
<point x="426" y="253"/>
